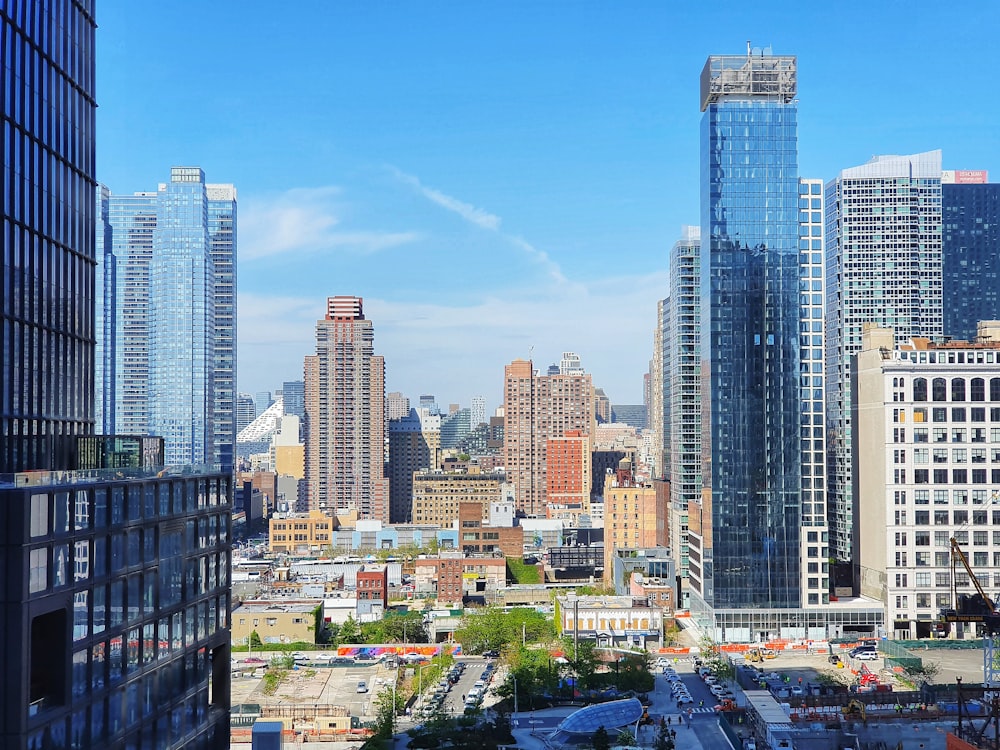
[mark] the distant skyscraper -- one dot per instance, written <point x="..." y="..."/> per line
<point x="293" y="394"/>
<point x="246" y="411"/>
<point x="656" y="396"/>
<point x="970" y="210"/>
<point x="397" y="406"/>
<point x="883" y="266"/>
<point x="682" y="383"/>
<point x="414" y="444"/>
<point x="478" y="410"/>
<point x="430" y="403"/>
<point x="455" y="427"/>
<point x="570" y="364"/>
<point x="262" y="400"/>
<point x="167" y="316"/>
<point x="633" y="415"/>
<point x="744" y="547"/>
<point x="345" y="445"/>
<point x="537" y="408"/>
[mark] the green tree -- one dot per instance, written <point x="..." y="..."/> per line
<point x="349" y="631"/>
<point x="625" y="737"/>
<point x="601" y="739"/>
<point x="403" y="627"/>
<point x="583" y="661"/>
<point x="533" y="672"/>
<point x="663" y="740"/>
<point x="492" y="628"/>
<point x="388" y="704"/>
<point x="255" y="639"/>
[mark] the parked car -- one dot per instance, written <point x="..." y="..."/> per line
<point x="493" y="653"/>
<point x="362" y="687"/>
<point x="867" y="655"/>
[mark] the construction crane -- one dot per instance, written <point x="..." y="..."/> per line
<point x="976" y="608"/>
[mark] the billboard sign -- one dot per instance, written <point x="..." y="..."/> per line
<point x="964" y="176"/>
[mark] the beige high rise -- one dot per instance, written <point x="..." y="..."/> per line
<point x="537" y="408"/>
<point x="345" y="415"/>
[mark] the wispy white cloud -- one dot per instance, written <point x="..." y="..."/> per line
<point x="304" y="220"/>
<point x="472" y="214"/>
<point x="481" y="218"/>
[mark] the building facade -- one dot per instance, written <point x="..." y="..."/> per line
<point x="48" y="236"/>
<point x="345" y="423"/>
<point x="682" y="385"/>
<point x="168" y="325"/>
<point x="569" y="472"/>
<point x="536" y="408"/>
<point x="748" y="555"/>
<point x="439" y="495"/>
<point x="883" y="266"/>
<point x="414" y="445"/>
<point x="635" y="515"/>
<point x="927" y="452"/>
<point x="970" y="215"/>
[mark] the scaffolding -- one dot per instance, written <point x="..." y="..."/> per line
<point x="756" y="75"/>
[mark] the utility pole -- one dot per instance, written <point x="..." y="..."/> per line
<point x="523" y="634"/>
<point x="576" y="629"/>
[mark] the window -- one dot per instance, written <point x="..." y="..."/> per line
<point x="958" y="414"/>
<point x="920" y="389"/>
<point x="920" y="435"/>
<point x="958" y="389"/>
<point x="921" y="455"/>
<point x="977" y="389"/>
<point x="939" y="414"/>
<point x="940" y="389"/>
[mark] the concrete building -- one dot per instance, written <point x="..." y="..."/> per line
<point x="373" y="593"/>
<point x="301" y="533"/>
<point x="397" y="406"/>
<point x="484" y="537"/>
<point x="246" y="411"/>
<point x="568" y="473"/>
<point x="635" y="514"/>
<point x="537" y="408"/>
<point x="414" y="445"/>
<point x="345" y="415"/>
<point x="454" y="579"/>
<point x="609" y="621"/>
<point x="883" y="266"/>
<point x="276" y="621"/>
<point x="927" y="457"/>
<point x="682" y="386"/>
<point x="438" y="495"/>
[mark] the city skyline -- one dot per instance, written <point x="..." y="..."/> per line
<point x="548" y="157"/>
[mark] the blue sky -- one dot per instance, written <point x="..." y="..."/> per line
<point x="499" y="180"/>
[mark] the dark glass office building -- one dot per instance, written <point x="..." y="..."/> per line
<point x="970" y="216"/>
<point x="47" y="213"/>
<point x="747" y="554"/>
<point x="114" y="605"/>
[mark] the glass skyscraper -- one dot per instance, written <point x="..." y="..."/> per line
<point x="114" y="607"/>
<point x="47" y="214"/>
<point x="744" y="547"/>
<point x="970" y="213"/>
<point x="168" y="266"/>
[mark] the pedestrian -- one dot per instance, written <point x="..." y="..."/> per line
<point x="668" y="721"/>
<point x="701" y="704"/>
<point x="678" y="705"/>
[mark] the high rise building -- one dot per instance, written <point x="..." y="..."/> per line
<point x="246" y="411"/>
<point x="744" y="551"/>
<point x="570" y="364"/>
<point x="397" y="406"/>
<point x="927" y="467"/>
<point x="455" y="427"/>
<point x="682" y="385"/>
<point x="883" y="266"/>
<point x="478" y="411"/>
<point x="345" y="415"/>
<point x="815" y="573"/>
<point x="536" y="408"/>
<point x="104" y="645"/>
<point x="970" y="213"/>
<point x="430" y="403"/>
<point x="657" y="392"/>
<point x="568" y="474"/>
<point x="293" y="397"/>
<point x="262" y="400"/>
<point x="414" y="444"/>
<point x="635" y="514"/>
<point x="167" y="316"/>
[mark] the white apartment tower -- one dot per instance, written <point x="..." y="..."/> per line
<point x="883" y="266"/>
